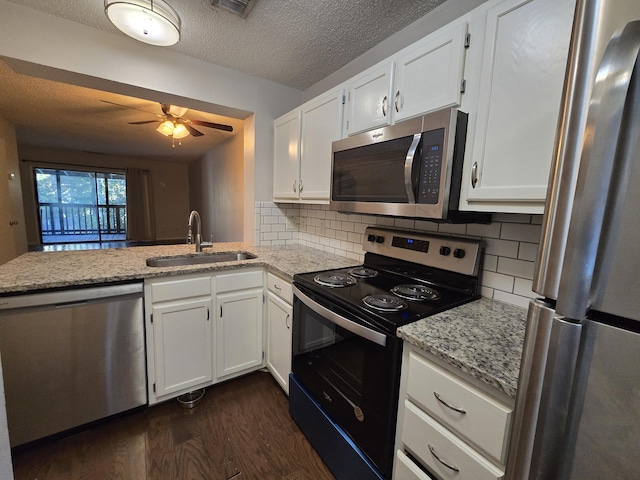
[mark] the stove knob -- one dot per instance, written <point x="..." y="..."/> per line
<point x="459" y="253"/>
<point x="379" y="239"/>
<point x="445" y="250"/>
<point x="371" y="238"/>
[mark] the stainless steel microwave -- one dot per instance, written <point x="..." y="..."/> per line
<point x="411" y="169"/>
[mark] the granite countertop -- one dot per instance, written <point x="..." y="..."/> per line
<point x="483" y="338"/>
<point x="44" y="270"/>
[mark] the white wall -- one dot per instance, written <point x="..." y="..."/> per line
<point x="13" y="238"/>
<point x="216" y="190"/>
<point x="35" y="43"/>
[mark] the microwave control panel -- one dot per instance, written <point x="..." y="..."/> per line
<point x="430" y="167"/>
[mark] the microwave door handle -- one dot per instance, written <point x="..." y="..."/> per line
<point x="408" y="168"/>
<point x="339" y="320"/>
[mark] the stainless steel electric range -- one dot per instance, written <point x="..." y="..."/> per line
<point x="346" y="356"/>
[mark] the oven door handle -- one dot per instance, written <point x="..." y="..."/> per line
<point x="345" y="323"/>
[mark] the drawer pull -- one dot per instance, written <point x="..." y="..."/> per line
<point x="455" y="409"/>
<point x="433" y="452"/>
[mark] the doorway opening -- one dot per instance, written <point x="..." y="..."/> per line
<point x="81" y="206"/>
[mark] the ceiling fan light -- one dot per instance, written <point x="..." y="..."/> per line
<point x="180" y="131"/>
<point x="149" y="21"/>
<point x="166" y="128"/>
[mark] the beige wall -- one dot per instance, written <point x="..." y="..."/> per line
<point x="217" y="191"/>
<point x="13" y="240"/>
<point x="170" y="186"/>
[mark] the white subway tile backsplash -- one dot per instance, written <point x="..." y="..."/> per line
<point x="511" y="240"/>
<point x="515" y="268"/>
<point x="521" y="232"/>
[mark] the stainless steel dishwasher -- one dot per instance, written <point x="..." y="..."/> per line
<point x="71" y="357"/>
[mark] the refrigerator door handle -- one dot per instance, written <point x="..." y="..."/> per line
<point x="596" y="175"/>
<point x="547" y="369"/>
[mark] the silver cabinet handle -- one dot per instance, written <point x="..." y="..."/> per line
<point x="397" y="101"/>
<point x="277" y="287"/>
<point x="474" y="175"/>
<point x="450" y="467"/>
<point x="294" y="186"/>
<point x="286" y="321"/>
<point x="455" y="409"/>
<point x="384" y="106"/>
<point x="301" y="186"/>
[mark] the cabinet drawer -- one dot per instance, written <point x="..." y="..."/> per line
<point x="180" y="288"/>
<point x="238" y="281"/>
<point x="280" y="287"/>
<point x="405" y="469"/>
<point x="434" y="445"/>
<point x="486" y="420"/>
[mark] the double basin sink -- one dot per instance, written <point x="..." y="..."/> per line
<point x="197" y="259"/>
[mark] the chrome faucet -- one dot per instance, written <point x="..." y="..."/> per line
<point x="198" y="235"/>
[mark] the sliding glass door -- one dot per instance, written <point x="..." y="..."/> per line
<point x="81" y="206"/>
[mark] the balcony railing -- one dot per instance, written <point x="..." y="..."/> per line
<point x="82" y="219"/>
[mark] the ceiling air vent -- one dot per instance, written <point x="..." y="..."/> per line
<point x="239" y="7"/>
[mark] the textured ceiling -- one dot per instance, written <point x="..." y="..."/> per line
<point x="292" y="42"/>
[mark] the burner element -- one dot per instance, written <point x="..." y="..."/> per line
<point x="363" y="272"/>
<point x="329" y="279"/>
<point x="384" y="303"/>
<point x="415" y="292"/>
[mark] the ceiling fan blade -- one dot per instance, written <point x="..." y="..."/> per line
<point x="144" y="122"/>
<point x="219" y="126"/>
<point x="132" y="108"/>
<point x="191" y="130"/>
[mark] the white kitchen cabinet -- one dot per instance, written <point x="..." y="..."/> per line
<point x="369" y="99"/>
<point x="302" y="149"/>
<point x="447" y="425"/>
<point x="421" y="78"/>
<point x="279" y="332"/>
<point x="522" y="68"/>
<point x="179" y="335"/>
<point x="429" y="75"/>
<point x="239" y="306"/>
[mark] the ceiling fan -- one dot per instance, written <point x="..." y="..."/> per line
<point x="172" y="123"/>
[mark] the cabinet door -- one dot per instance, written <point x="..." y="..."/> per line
<point x="369" y="99"/>
<point x="238" y="331"/>
<point x="182" y="345"/>
<point x="279" y="316"/>
<point x="523" y="65"/>
<point x="321" y="125"/>
<point x="429" y="75"/>
<point x="286" y="157"/>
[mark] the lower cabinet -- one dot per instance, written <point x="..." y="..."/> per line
<point x="239" y="323"/>
<point x="447" y="427"/>
<point x="279" y="332"/>
<point x="190" y="345"/>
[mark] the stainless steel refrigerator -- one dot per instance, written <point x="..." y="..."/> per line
<point x="577" y="413"/>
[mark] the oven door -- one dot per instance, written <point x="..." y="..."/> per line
<point x="351" y="370"/>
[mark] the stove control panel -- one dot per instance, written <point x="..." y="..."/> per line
<point x="456" y="254"/>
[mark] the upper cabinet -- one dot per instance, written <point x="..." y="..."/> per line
<point x="302" y="149"/>
<point x="521" y="73"/>
<point x="423" y="77"/>
<point x="430" y="74"/>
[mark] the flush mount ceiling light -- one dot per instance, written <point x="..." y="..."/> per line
<point x="149" y="21"/>
<point x="239" y="7"/>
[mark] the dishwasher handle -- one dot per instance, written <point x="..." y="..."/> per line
<point x="72" y="297"/>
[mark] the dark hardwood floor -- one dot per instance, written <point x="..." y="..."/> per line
<point x="241" y="430"/>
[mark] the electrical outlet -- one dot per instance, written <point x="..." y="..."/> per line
<point x="302" y="223"/>
<point x="292" y="224"/>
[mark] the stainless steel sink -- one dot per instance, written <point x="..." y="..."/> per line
<point x="199" y="259"/>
